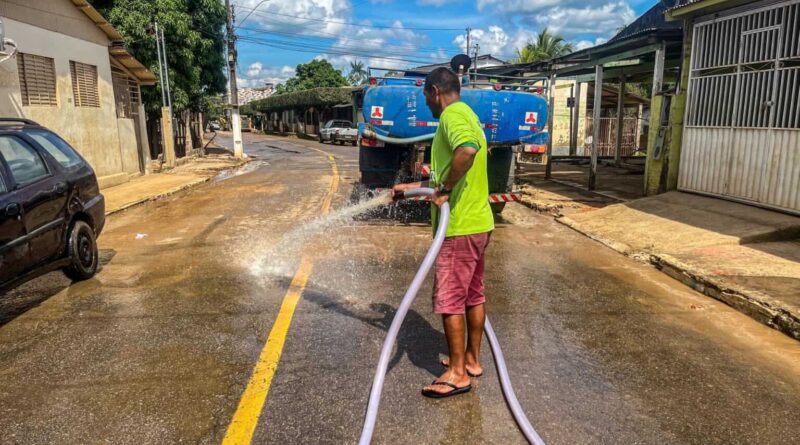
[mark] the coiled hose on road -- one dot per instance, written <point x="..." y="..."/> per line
<point x="386" y="352"/>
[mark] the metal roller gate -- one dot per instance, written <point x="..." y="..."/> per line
<point x="741" y="137"/>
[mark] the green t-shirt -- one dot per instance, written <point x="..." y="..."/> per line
<point x="470" y="212"/>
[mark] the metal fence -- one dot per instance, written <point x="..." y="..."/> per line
<point x="608" y="136"/>
<point x="742" y="132"/>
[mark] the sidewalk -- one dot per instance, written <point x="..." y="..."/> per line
<point x="744" y="256"/>
<point x="153" y="186"/>
<point x="566" y="192"/>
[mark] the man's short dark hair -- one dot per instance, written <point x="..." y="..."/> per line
<point x="445" y="79"/>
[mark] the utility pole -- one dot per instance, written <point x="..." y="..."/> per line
<point x="236" y="121"/>
<point x="475" y="63"/>
<point x="167" y="135"/>
<point x="469" y="32"/>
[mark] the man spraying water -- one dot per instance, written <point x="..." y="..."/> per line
<point x="459" y="176"/>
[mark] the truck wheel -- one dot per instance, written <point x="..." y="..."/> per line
<point x="82" y="252"/>
<point x="353" y="143"/>
<point x="497" y="207"/>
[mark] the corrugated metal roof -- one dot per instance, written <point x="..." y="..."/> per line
<point x="652" y="20"/>
<point x="117" y="49"/>
<point x="682" y="3"/>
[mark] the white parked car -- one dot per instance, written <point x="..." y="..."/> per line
<point x="338" y="132"/>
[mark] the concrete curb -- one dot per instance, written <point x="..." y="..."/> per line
<point x="174" y="190"/>
<point x="756" y="305"/>
<point x="158" y="196"/>
<point x="618" y="246"/>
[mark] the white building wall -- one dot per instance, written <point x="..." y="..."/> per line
<point x="92" y="131"/>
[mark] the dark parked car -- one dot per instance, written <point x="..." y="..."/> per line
<point x="51" y="209"/>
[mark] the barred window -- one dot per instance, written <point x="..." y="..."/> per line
<point x="37" y="80"/>
<point x="84" y="84"/>
<point x="126" y="93"/>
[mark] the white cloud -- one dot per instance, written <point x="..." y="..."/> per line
<point x="493" y="40"/>
<point x="308" y="17"/>
<point x="257" y="75"/>
<point x="395" y="43"/>
<point x="583" y="44"/>
<point x="587" y="20"/>
<point x="569" y="18"/>
<point x="254" y="69"/>
<point x="496" y="41"/>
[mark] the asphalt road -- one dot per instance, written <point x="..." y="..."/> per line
<point x="160" y="347"/>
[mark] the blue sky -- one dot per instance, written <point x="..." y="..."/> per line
<point x="279" y="34"/>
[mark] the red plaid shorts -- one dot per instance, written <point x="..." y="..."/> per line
<point x="459" y="274"/>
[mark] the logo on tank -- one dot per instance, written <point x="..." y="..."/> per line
<point x="376" y="113"/>
<point x="531" y="117"/>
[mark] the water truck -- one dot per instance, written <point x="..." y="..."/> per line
<point x="395" y="138"/>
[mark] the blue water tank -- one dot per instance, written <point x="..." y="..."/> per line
<point x="508" y="117"/>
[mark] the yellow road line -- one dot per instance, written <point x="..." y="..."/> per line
<point x="245" y="419"/>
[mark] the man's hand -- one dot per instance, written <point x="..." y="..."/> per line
<point x="439" y="198"/>
<point x="398" y="189"/>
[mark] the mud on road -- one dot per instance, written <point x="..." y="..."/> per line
<point x="161" y="345"/>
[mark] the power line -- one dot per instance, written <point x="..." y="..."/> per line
<point x="339" y="51"/>
<point x="301" y="36"/>
<point x="303" y="49"/>
<point x="349" y="23"/>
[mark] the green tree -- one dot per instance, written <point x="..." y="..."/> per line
<point x="194" y="34"/>
<point x="358" y="75"/>
<point x="314" y="74"/>
<point x="546" y="46"/>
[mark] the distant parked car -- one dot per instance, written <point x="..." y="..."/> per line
<point x="214" y="126"/>
<point x="51" y="209"/>
<point x="338" y="131"/>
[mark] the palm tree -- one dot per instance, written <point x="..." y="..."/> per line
<point x="546" y="46"/>
<point x="358" y="75"/>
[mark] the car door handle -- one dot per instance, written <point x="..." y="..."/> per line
<point x="12" y="209"/>
<point x="59" y="188"/>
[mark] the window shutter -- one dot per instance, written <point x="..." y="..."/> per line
<point x="37" y="80"/>
<point x="84" y="84"/>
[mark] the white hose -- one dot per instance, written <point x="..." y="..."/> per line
<point x="508" y="392"/>
<point x="388" y="343"/>
<point x="399" y="141"/>
<point x="402" y="310"/>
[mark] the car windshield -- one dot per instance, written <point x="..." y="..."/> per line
<point x="56" y="147"/>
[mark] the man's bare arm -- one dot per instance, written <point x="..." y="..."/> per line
<point x="463" y="157"/>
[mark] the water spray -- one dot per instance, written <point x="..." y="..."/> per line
<point x="383" y="363"/>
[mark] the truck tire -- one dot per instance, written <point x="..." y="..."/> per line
<point x="497" y="207"/>
<point x="82" y="252"/>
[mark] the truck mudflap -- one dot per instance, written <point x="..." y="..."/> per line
<point x="494" y="198"/>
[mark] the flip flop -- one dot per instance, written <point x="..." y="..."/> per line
<point x="441" y="395"/>
<point x="468" y="373"/>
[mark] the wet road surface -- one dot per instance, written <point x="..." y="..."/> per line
<point x="160" y="346"/>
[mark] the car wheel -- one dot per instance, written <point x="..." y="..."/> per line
<point x="321" y="141"/>
<point x="82" y="252"/>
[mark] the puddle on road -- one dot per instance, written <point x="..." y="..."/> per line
<point x="282" y="258"/>
<point x="247" y="168"/>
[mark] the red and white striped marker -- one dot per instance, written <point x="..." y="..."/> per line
<point x="494" y="197"/>
<point x="503" y="197"/>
